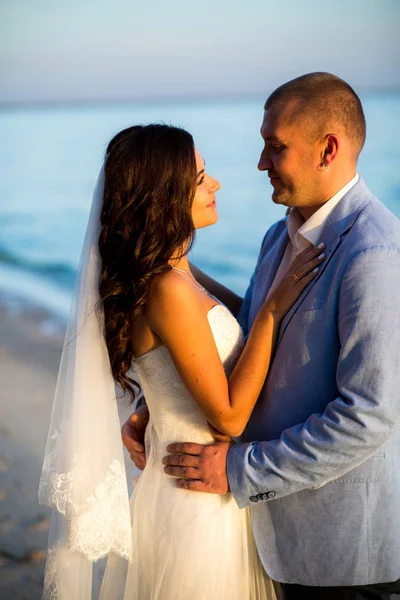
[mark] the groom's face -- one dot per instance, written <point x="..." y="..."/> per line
<point x="290" y="157"/>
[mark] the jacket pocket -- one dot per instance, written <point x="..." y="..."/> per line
<point x="368" y="471"/>
<point x="309" y="316"/>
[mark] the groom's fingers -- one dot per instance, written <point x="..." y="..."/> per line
<point x="185" y="448"/>
<point x="198" y="485"/>
<point x="194" y="485"/>
<point x="181" y="460"/>
<point x="132" y="445"/>
<point x="186" y="472"/>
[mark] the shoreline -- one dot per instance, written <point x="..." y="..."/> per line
<point x="22" y="290"/>
<point x="29" y="358"/>
<point x="31" y="340"/>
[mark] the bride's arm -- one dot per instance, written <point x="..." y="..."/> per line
<point x="176" y="314"/>
<point x="224" y="294"/>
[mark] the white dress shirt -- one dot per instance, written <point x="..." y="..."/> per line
<point x="305" y="233"/>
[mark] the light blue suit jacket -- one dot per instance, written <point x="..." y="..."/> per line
<point x="319" y="463"/>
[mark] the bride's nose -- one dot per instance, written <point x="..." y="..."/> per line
<point x="214" y="184"/>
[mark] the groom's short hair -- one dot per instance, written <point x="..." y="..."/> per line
<point x="323" y="98"/>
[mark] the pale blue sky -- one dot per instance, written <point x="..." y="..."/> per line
<point x="123" y="49"/>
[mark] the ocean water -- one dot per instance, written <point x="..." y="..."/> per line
<point x="50" y="157"/>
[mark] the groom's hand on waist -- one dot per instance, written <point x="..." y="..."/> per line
<point x="133" y="436"/>
<point x="199" y="468"/>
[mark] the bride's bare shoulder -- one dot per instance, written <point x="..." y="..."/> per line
<point x="171" y="290"/>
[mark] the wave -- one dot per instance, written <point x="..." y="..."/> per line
<point x="46" y="286"/>
<point x="59" y="273"/>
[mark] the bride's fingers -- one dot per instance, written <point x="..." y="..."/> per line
<point x="304" y="281"/>
<point x="309" y="266"/>
<point x="307" y="255"/>
<point x="185" y="448"/>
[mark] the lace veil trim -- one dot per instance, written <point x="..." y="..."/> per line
<point x="83" y="476"/>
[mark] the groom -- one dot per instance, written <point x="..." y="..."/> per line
<point x="319" y="462"/>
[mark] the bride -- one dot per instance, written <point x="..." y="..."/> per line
<point x="139" y="318"/>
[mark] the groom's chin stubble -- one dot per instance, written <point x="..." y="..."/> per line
<point x="279" y="198"/>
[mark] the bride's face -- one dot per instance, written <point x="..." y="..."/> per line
<point x="204" y="208"/>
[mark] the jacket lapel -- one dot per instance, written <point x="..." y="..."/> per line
<point x="341" y="220"/>
<point x="331" y="240"/>
<point x="268" y="268"/>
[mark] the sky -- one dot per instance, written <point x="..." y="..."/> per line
<point x="73" y="50"/>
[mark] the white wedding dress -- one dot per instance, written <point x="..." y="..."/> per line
<point x="186" y="545"/>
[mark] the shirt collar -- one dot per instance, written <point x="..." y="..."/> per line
<point x="303" y="233"/>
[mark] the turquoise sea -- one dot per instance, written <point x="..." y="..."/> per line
<point x="50" y="157"/>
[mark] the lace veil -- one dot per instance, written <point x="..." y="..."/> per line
<point x="83" y="477"/>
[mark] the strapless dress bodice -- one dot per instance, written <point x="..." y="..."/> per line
<point x="172" y="409"/>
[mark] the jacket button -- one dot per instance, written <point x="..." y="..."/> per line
<point x="271" y="495"/>
<point x="253" y="498"/>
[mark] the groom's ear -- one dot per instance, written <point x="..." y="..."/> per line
<point x="331" y="149"/>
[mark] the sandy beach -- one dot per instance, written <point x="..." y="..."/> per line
<point x="30" y="349"/>
<point x="28" y="368"/>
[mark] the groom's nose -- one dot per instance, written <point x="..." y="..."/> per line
<point x="264" y="162"/>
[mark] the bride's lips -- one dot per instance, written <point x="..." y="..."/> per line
<point x="212" y="204"/>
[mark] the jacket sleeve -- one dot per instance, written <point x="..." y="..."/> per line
<point x="360" y="420"/>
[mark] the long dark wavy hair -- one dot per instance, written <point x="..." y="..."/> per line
<point x="150" y="182"/>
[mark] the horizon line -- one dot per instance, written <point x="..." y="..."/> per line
<point x="153" y="99"/>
